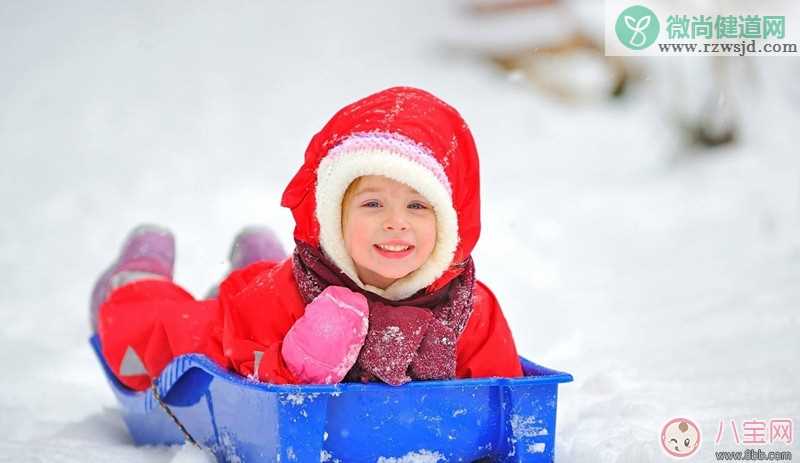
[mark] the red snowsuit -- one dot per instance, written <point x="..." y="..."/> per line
<point x="244" y="327"/>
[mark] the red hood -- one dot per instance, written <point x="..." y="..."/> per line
<point x="417" y="115"/>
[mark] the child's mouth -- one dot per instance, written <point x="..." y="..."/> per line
<point x="393" y="251"/>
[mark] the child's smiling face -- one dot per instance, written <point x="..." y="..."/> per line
<point x="389" y="229"/>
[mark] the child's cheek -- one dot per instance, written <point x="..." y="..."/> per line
<point x="427" y="237"/>
<point x="357" y="238"/>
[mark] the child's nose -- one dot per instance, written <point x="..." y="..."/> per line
<point x="395" y="225"/>
<point x="395" y="222"/>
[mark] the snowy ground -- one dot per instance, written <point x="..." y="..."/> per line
<point x="667" y="283"/>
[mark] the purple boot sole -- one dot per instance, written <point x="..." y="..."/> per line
<point x="253" y="244"/>
<point x="148" y="253"/>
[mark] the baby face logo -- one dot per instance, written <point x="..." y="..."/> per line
<point x="637" y="27"/>
<point x="680" y="437"/>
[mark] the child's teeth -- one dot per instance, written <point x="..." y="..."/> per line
<point x="394" y="248"/>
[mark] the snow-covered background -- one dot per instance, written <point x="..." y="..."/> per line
<point x="665" y="279"/>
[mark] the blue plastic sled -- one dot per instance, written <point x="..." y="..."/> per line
<point x="493" y="419"/>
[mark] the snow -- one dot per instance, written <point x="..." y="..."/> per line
<point x="538" y="447"/>
<point x="664" y="279"/>
<point x="192" y="454"/>
<point x="421" y="456"/>
<point x="525" y="426"/>
<point x="299" y="398"/>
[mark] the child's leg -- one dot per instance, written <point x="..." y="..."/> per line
<point x="148" y="253"/>
<point x="253" y="244"/>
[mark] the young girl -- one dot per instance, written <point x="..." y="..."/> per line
<point x="380" y="286"/>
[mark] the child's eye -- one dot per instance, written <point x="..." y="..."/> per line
<point x="417" y="206"/>
<point x="371" y="204"/>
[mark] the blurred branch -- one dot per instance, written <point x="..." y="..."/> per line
<point x="485" y="7"/>
<point x="556" y="61"/>
<point x="528" y="60"/>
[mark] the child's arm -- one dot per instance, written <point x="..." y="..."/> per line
<point x="260" y="303"/>
<point x="270" y="334"/>
<point x="486" y="347"/>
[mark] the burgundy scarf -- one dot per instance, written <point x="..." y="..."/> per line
<point x="410" y="339"/>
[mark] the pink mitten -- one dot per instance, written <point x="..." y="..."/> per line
<point x="323" y="344"/>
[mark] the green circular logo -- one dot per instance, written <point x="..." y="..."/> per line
<point x="637" y="27"/>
